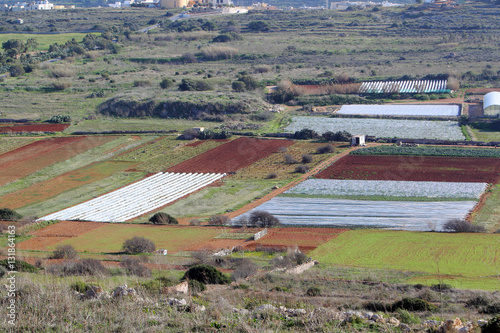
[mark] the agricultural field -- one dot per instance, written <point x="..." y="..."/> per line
<point x="43" y="40"/>
<point x="74" y="179"/>
<point x="401" y="110"/>
<point x="137" y="199"/>
<point x="388" y="188"/>
<point x="461" y="260"/>
<point x="28" y="159"/>
<point x="232" y="156"/>
<point x="306" y="239"/>
<point x="33" y="128"/>
<point x="403" y="215"/>
<point x="414" y="168"/>
<point x="11" y="143"/>
<point x="428" y="151"/>
<point x="382" y="128"/>
<point x="110" y="237"/>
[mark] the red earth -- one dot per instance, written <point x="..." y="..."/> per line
<point x="34" y="128"/>
<point x="414" y="168"/>
<point x="231" y="156"/>
<point x="28" y="159"/>
<point x="306" y="239"/>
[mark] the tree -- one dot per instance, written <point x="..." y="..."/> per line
<point x="219" y="220"/>
<point x="459" y="225"/>
<point x="64" y="252"/>
<point x="305" y="134"/>
<point x="263" y="219"/>
<point x="8" y="214"/>
<point x="163" y="218"/>
<point x="138" y="245"/>
<point x="16" y="70"/>
<point x="13" y="47"/>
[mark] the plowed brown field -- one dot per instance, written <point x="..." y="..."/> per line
<point x="28" y="159"/>
<point x="414" y="168"/>
<point x="34" y="128"/>
<point x="68" y="229"/>
<point x="306" y="239"/>
<point x="231" y="156"/>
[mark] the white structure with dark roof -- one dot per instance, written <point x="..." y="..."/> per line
<point x="491" y="104"/>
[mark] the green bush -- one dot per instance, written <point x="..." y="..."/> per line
<point x="166" y="83"/>
<point x="196" y="286"/>
<point x="491" y="309"/>
<point x="163" y="218"/>
<point x="413" y="304"/>
<point x="79" y="286"/>
<point x="138" y="245"/>
<point x="493" y="325"/>
<point x="206" y="274"/>
<point x="19" y="266"/>
<point x="194" y="85"/>
<point x="313" y="291"/>
<point x="408" y="317"/>
<point x="8" y="214"/>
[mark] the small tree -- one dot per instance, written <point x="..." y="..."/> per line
<point x="166" y="83"/>
<point x="326" y="149"/>
<point x="219" y="220"/>
<point x="163" y="218"/>
<point x="135" y="267"/>
<point x="138" y="245"/>
<point x="263" y="219"/>
<point x="64" y="252"/>
<point x="307" y="158"/>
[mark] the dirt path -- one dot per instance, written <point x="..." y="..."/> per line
<point x="290" y="185"/>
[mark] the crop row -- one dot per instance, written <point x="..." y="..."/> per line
<point x="138" y="198"/>
<point x="428" y="151"/>
<point x="386" y="128"/>
<point x="416" y="216"/>
<point x="387" y="188"/>
<point x="401" y="110"/>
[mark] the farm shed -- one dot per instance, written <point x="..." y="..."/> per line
<point x="358" y="140"/>
<point x="491" y="104"/>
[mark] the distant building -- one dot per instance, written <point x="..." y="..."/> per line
<point x="173" y="3"/>
<point x="491" y="104"/>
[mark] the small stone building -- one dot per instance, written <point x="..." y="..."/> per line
<point x="358" y="140"/>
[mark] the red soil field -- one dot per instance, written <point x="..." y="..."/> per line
<point x="414" y="168"/>
<point x="34" y="128"/>
<point x="40" y="243"/>
<point x="232" y="156"/>
<point x="68" y="229"/>
<point x="217" y="244"/>
<point x="28" y="159"/>
<point x="50" y="188"/>
<point x="199" y="142"/>
<point x="307" y="239"/>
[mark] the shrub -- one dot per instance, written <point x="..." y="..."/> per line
<point x="8" y="214"/>
<point x="206" y="274"/>
<point x="238" y="86"/>
<point x="163" y="218"/>
<point x="459" y="225"/>
<point x="303" y="168"/>
<point x="258" y="26"/>
<point x="492" y="326"/>
<point x="219" y="52"/>
<point x="340" y="136"/>
<point x="166" y="83"/>
<point x="307" y="158"/>
<point x="82" y="267"/>
<point x="16" y="70"/>
<point x="194" y="85"/>
<point x="61" y="85"/>
<point x="189" y="58"/>
<point x="326" y="149"/>
<point x="79" y="286"/>
<point x="219" y="220"/>
<point x="272" y="175"/>
<point x="413" y="304"/>
<point x="244" y="269"/>
<point x="196" y="286"/>
<point x="408" y="317"/>
<point x="138" y="245"/>
<point x="135" y="267"/>
<point x="313" y="291"/>
<point x="491" y="309"/>
<point x="305" y="134"/>
<point x="377" y="306"/>
<point x="441" y="287"/>
<point x="289" y="159"/>
<point x="19" y="265"/>
<point x="142" y="83"/>
<point x="477" y="302"/>
<point x="64" y="252"/>
<point x="262" y="69"/>
<point x="263" y="219"/>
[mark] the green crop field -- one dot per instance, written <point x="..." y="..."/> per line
<point x="44" y="40"/>
<point x="457" y="259"/>
<point x="110" y="238"/>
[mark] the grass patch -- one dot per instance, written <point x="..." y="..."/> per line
<point x="432" y="253"/>
<point x="110" y="238"/>
<point x="489" y="214"/>
<point x="484" y="135"/>
<point x="45" y="40"/>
